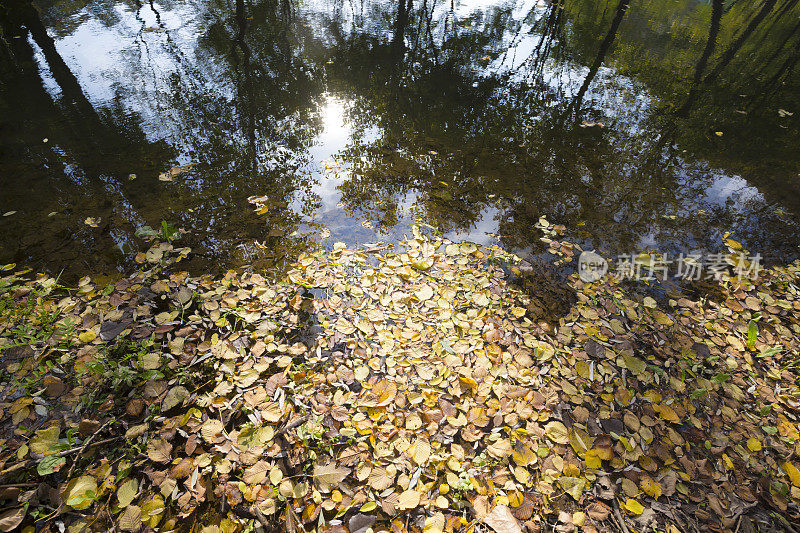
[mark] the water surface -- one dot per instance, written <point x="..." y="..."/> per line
<point x="638" y="124"/>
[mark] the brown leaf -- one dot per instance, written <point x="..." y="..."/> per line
<point x="159" y="450"/>
<point x="131" y="519"/>
<point x="502" y="520"/>
<point x="598" y="511"/>
<point x="380" y="479"/>
<point x="257" y="473"/>
<point x="329" y="474"/>
<point x="9" y="520"/>
<point x="183" y="469"/>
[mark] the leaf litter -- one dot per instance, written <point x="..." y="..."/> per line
<point x="395" y="388"/>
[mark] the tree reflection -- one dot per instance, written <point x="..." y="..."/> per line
<point x="463" y="114"/>
<point x="454" y="135"/>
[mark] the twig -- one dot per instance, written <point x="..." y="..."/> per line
<point x="25" y="464"/>
<point x="737" y="518"/>
<point x="85" y="444"/>
<point x="618" y="515"/>
<point x="261" y="517"/>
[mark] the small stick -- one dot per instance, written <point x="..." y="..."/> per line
<point x="25" y="464"/>
<point x="619" y="517"/>
<point x="85" y="444"/>
<point x="260" y="516"/>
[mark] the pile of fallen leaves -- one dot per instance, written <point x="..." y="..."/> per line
<point x="397" y="389"/>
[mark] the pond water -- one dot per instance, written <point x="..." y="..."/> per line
<point x="638" y="124"/>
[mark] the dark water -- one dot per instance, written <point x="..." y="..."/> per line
<point x="638" y="124"/>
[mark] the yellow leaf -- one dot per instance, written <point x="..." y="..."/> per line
<point x="754" y="445"/>
<point x="422" y="452"/>
<point x="557" y="432"/>
<point x="592" y="459"/>
<point x="667" y="413"/>
<point x="521" y="474"/>
<point x="650" y="487"/>
<point x="633" y="506"/>
<point x="408" y="500"/>
<point x="45" y="439"/>
<point x="127" y="492"/>
<point x="580" y="441"/>
<point x="572" y="486"/>
<point x="793" y="473"/>
<point x="727" y="462"/>
<point x="81" y="492"/>
<point x="256" y="474"/>
<point x="87" y="336"/>
<point x="434" y="524"/>
<point x="369" y="507"/>
<point x="500" y="449"/>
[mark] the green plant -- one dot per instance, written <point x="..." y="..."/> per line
<point x="166" y="233"/>
<point x="119" y="367"/>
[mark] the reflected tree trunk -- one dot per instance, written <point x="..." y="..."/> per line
<point x="95" y="143"/>
<point x="702" y="63"/>
<point x="730" y="53"/>
<point x="245" y="88"/>
<point x="608" y="40"/>
<point x="401" y="22"/>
